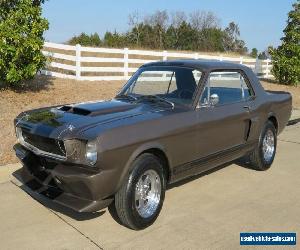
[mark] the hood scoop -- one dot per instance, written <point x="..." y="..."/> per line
<point x="98" y="108"/>
<point x="80" y="111"/>
<point x="65" y="108"/>
<point x="75" y="110"/>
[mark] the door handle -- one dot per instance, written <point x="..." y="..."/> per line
<point x="246" y="107"/>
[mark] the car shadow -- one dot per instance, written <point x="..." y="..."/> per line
<point x="245" y="163"/>
<point x="196" y="177"/>
<point x="55" y="207"/>
<point x="113" y="212"/>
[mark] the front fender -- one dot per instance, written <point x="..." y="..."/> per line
<point x="138" y="151"/>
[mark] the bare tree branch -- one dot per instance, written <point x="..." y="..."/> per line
<point x="201" y="20"/>
<point x="177" y="18"/>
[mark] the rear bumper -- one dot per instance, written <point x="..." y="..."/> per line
<point x="74" y="187"/>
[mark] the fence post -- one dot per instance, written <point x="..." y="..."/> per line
<point x="126" y="63"/>
<point x="256" y="69"/>
<point x="165" y="55"/>
<point x="78" y="59"/>
<point x="241" y="60"/>
<point x="267" y="68"/>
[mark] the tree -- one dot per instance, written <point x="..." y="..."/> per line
<point x="115" y="40"/>
<point x="21" y="40"/>
<point x="201" y="20"/>
<point x="211" y="40"/>
<point x="269" y="51"/>
<point x="86" y="40"/>
<point x="206" y="26"/>
<point x="37" y="2"/>
<point x="158" y="21"/>
<point x="262" y="56"/>
<point x="136" y="27"/>
<point x="232" y="41"/>
<point x="231" y="34"/>
<point x="178" y="24"/>
<point x="201" y="32"/>
<point x="186" y="37"/>
<point x="286" y="58"/>
<point x="254" y="53"/>
<point x="171" y="38"/>
<point x="177" y="18"/>
<point x="82" y="39"/>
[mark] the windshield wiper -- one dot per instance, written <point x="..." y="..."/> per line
<point x="155" y="98"/>
<point x="126" y="96"/>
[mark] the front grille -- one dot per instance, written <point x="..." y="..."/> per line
<point x="45" y="144"/>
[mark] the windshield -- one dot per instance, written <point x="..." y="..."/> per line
<point x="174" y="84"/>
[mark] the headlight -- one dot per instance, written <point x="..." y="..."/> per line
<point x="91" y="152"/>
<point x="81" y="152"/>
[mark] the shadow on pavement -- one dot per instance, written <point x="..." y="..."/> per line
<point x="87" y="216"/>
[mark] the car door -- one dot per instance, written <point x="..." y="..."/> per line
<point x="223" y="113"/>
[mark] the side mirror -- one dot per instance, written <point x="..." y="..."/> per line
<point x="214" y="99"/>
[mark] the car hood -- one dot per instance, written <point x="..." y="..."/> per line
<point x="69" y="120"/>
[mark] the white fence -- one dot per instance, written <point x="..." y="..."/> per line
<point x="103" y="64"/>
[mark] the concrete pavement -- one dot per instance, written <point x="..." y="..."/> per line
<point x="295" y="117"/>
<point x="7" y="171"/>
<point x="207" y="212"/>
<point x="295" y="114"/>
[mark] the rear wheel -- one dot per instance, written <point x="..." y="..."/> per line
<point x="139" y="200"/>
<point x="263" y="155"/>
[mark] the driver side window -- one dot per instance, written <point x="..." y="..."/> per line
<point x="225" y="87"/>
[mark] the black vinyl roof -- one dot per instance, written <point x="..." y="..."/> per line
<point x="198" y="64"/>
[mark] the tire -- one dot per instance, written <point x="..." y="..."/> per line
<point x="133" y="198"/>
<point x="262" y="157"/>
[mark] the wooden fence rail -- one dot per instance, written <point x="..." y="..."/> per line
<point x="98" y="64"/>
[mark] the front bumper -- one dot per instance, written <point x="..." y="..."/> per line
<point x="75" y="187"/>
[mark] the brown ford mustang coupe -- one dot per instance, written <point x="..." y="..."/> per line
<point x="172" y="120"/>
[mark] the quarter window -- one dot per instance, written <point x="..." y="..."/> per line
<point x="230" y="87"/>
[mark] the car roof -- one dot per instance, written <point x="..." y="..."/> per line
<point x="200" y="64"/>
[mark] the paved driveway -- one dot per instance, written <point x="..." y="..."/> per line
<point x="207" y="212"/>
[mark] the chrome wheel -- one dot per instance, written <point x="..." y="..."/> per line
<point x="268" y="145"/>
<point x="147" y="193"/>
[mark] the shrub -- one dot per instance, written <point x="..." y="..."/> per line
<point x="21" y="40"/>
<point x="286" y="58"/>
<point x="254" y="53"/>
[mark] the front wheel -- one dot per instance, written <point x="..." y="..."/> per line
<point x="140" y="198"/>
<point x="263" y="155"/>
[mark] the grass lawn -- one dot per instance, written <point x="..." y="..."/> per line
<point x="45" y="91"/>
